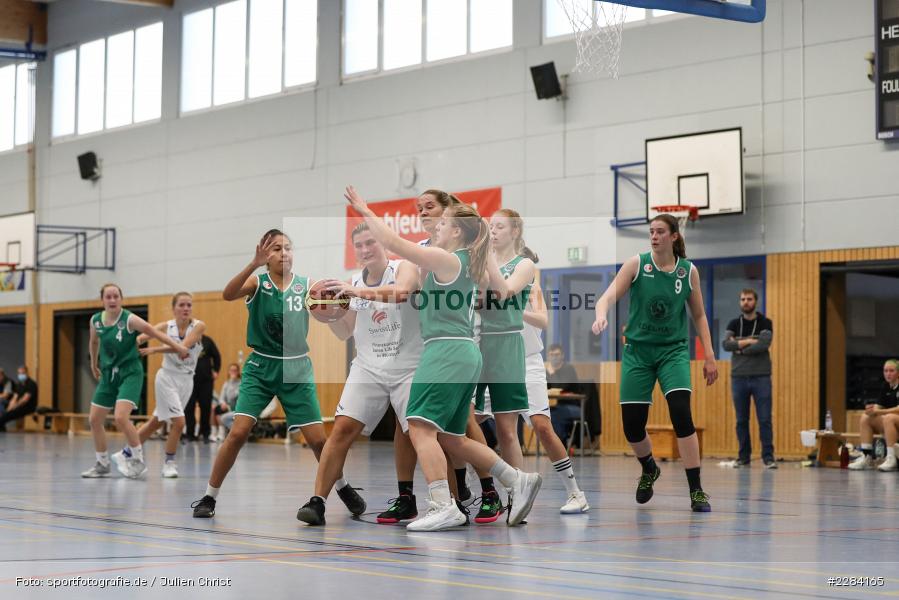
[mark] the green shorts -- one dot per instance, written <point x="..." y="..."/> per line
<point x="123" y="383"/>
<point x="503" y="373"/>
<point x="642" y="364"/>
<point x="443" y="384"/>
<point x="292" y="381"/>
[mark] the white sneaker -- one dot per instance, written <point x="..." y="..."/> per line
<point x="134" y="468"/>
<point x="890" y="464"/>
<point x="121" y="462"/>
<point x="169" y="469"/>
<point x="97" y="471"/>
<point x="862" y="463"/>
<point x="522" y="496"/>
<point x="577" y="503"/>
<point x="439" y="517"/>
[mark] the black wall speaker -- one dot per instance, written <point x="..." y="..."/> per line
<point x="89" y="167"/>
<point x="546" y="81"/>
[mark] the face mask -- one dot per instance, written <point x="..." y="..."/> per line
<point x="21" y="377"/>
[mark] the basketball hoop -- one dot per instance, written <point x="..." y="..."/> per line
<point x="8" y="266"/>
<point x="598" y="40"/>
<point x="682" y="212"/>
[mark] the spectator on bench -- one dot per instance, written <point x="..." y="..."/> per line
<point x="561" y="374"/>
<point x="227" y="400"/>
<point x="24" y="400"/>
<point x="881" y="417"/>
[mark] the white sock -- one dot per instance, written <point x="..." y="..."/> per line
<point x="505" y="473"/>
<point x="439" y="491"/>
<point x="103" y="458"/>
<point x="566" y="473"/>
<point x="137" y="452"/>
<point x="891" y="451"/>
<point x="341" y="483"/>
<point x="211" y="491"/>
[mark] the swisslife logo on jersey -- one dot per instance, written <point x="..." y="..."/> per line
<point x="647" y="267"/>
<point x="378" y="316"/>
<point x="401" y="215"/>
<point x="267" y="285"/>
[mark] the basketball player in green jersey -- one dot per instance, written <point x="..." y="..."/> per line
<point x="116" y="364"/>
<point x="440" y="399"/>
<point x="502" y="350"/>
<point x="279" y="365"/>
<point x="662" y="283"/>
<point x="506" y="229"/>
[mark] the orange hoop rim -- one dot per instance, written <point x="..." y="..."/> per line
<point x="692" y="212"/>
<point x="9" y="266"/>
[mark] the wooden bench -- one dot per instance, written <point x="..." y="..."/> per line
<point x="664" y="441"/>
<point x="829" y="444"/>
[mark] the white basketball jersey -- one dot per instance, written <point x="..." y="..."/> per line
<point x="533" y="343"/>
<point x="170" y="361"/>
<point x="387" y="334"/>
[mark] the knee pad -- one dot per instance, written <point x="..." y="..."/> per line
<point x="634" y="417"/>
<point x="679" y="409"/>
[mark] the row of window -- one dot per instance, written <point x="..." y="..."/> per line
<point x="16" y="105"/>
<point x="251" y="48"/>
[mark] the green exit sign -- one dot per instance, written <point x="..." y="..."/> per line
<point x="577" y="254"/>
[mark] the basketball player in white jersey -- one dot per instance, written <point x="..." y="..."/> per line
<point x="174" y="381"/>
<point x="388" y="345"/>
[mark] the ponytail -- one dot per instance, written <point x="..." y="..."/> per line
<point x="518" y="223"/>
<point x="475" y="235"/>
<point x="679" y="247"/>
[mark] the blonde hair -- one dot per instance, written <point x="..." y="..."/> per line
<point x="518" y="223"/>
<point x="475" y="236"/>
<point x="893" y="362"/>
<point x="178" y="295"/>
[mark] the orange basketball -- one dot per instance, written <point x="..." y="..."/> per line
<point x="323" y="305"/>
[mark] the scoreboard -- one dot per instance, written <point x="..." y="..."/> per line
<point x="887" y="69"/>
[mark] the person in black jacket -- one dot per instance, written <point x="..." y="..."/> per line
<point x="562" y="375"/>
<point x="748" y="337"/>
<point x="208" y="366"/>
<point x="23" y="401"/>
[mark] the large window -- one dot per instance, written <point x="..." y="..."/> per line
<point x="16" y="105"/>
<point x="247" y="49"/>
<point x="108" y="82"/>
<point x="556" y="23"/>
<point x="381" y="35"/>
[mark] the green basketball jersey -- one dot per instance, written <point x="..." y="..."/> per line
<point x="447" y="310"/>
<point x="658" y="300"/>
<point x="118" y="344"/>
<point x="506" y="315"/>
<point x="279" y="320"/>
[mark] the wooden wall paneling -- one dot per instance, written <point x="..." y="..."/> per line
<point x="65" y="370"/>
<point x="835" y="352"/>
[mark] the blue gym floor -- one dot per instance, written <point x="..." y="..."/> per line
<point x="777" y="533"/>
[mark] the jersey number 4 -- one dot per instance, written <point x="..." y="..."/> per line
<point x="118" y="336"/>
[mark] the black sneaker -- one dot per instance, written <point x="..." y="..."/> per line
<point x="466" y="498"/>
<point x="313" y="512"/>
<point x="402" y="508"/>
<point x="770" y="464"/>
<point x="204" y="508"/>
<point x="644" y="486"/>
<point x="699" y="501"/>
<point x="491" y="508"/>
<point x="353" y="501"/>
<point x="464" y="510"/>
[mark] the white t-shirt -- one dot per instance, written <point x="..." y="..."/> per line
<point x="387" y="334"/>
<point x="533" y="343"/>
<point x="170" y="361"/>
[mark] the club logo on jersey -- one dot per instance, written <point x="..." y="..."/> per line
<point x="681" y="272"/>
<point x="298" y="288"/>
<point x="98" y="325"/>
<point x="120" y="325"/>
<point x="658" y="308"/>
<point x="647" y="267"/>
<point x="378" y="316"/>
<point x="267" y="285"/>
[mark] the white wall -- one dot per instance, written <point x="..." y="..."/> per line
<point x="191" y="195"/>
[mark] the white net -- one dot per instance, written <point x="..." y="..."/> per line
<point x="597" y="34"/>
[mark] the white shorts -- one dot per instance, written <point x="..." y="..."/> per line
<point x="535" y="381"/>
<point x="172" y="394"/>
<point x="367" y="395"/>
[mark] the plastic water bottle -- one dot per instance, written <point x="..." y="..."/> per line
<point x="828" y="421"/>
<point x="240" y="357"/>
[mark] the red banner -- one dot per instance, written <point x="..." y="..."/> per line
<point x="402" y="216"/>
